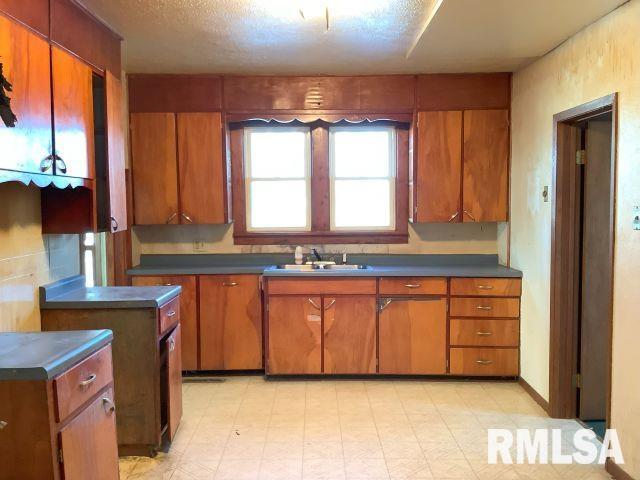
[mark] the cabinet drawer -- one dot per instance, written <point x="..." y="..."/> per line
<point x="169" y="314"/>
<point x="485" y="307"/>
<point x="413" y="286"/>
<point x="485" y="333"/>
<point x="489" y="287"/>
<point x="320" y="286"/>
<point x="484" y="361"/>
<point x="76" y="386"/>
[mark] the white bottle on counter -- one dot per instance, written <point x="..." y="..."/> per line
<point x="298" y="255"/>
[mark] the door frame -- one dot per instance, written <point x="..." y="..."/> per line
<point x="565" y="306"/>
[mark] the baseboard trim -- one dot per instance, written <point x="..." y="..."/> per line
<point x="535" y="395"/>
<point x="616" y="471"/>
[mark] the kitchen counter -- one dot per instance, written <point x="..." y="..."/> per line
<point x="379" y="265"/>
<point x="71" y="293"/>
<point x="44" y="355"/>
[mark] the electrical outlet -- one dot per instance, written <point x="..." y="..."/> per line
<point x="636" y="217"/>
<point x="198" y="246"/>
<point x="545" y="193"/>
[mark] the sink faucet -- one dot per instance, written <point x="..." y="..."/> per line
<point x="316" y="254"/>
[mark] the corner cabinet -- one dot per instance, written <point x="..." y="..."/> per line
<point x="178" y="168"/>
<point x="461" y="167"/>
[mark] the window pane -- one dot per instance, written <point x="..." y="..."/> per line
<point x="88" y="268"/>
<point x="363" y="153"/>
<point x="278" y="204"/>
<point x="89" y="239"/>
<point x="277" y="154"/>
<point x="362" y="203"/>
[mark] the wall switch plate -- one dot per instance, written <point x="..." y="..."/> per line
<point x="636" y="217"/>
<point x="545" y="193"/>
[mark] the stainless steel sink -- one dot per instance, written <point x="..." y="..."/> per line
<point x="312" y="267"/>
<point x="301" y="268"/>
<point x="346" y="267"/>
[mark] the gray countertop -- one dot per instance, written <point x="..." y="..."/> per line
<point x="44" y="355"/>
<point x="379" y="265"/>
<point x="71" y="293"/>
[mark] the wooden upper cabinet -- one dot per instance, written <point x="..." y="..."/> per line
<point x="486" y="165"/>
<point x="154" y="168"/>
<point x="116" y="154"/>
<point x="438" y="167"/>
<point x="201" y="167"/>
<point x="25" y="59"/>
<point x="72" y="82"/>
<point x="350" y="335"/>
<point x="34" y="13"/>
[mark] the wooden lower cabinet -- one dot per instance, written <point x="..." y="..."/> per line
<point x="349" y="335"/>
<point x="172" y="381"/>
<point x="413" y="336"/>
<point x="230" y="322"/>
<point x="295" y="335"/>
<point x="485" y="361"/>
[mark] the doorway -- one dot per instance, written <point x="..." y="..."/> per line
<point x="582" y="247"/>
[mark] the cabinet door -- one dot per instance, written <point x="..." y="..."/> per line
<point x="116" y="154"/>
<point x="294" y="336"/>
<point x="72" y="82"/>
<point x="201" y="167"/>
<point x="486" y="160"/>
<point x="413" y="336"/>
<point x="188" y="313"/>
<point x="438" y="167"/>
<point x="230" y="322"/>
<point x="89" y="444"/>
<point x="174" y="382"/>
<point x="154" y="168"/>
<point x="350" y="334"/>
<point x="25" y="64"/>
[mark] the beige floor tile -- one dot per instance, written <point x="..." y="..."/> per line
<point x="321" y="433"/>
<point x="438" y="450"/>
<point x="285" y="434"/>
<point x="359" y="433"/>
<point x="408" y="468"/>
<point x="451" y="469"/>
<point x="280" y="469"/>
<point x="323" y="469"/>
<point x="282" y="450"/>
<point x="366" y="468"/>
<point x="199" y="470"/>
<point x="323" y="450"/>
<point x="243" y="449"/>
<point x="402" y="450"/>
<point x="238" y="469"/>
<point x="196" y="452"/>
<point x="355" y="450"/>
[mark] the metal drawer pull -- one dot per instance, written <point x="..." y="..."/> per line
<point x="172" y="344"/>
<point x="386" y="303"/>
<point x="168" y="284"/>
<point x="453" y="216"/>
<point x="187" y="218"/>
<point x="315" y="305"/>
<point x="413" y="285"/>
<point x="171" y="217"/>
<point x="3" y="424"/>
<point x="171" y="313"/>
<point x="470" y="216"/>
<point x="485" y="287"/>
<point x="89" y="380"/>
<point x="114" y="224"/>
<point x="480" y="307"/>
<point x="331" y="304"/>
<point x="107" y="402"/>
<point x="484" y="362"/>
<point x="230" y="284"/>
<point x="484" y="333"/>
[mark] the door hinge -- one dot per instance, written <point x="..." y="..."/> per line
<point x="60" y="456"/>
<point x="581" y="157"/>
<point x="577" y="381"/>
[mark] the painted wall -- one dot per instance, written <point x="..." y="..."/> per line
<point x="600" y="60"/>
<point x="28" y="259"/>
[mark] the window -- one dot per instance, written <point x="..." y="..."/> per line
<point x="362" y="178"/>
<point x="278" y="178"/>
<point x="92" y="259"/>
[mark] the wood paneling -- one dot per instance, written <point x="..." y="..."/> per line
<point x="295" y="335"/>
<point x="116" y="154"/>
<point x="438" y="167"/>
<point x="413" y="337"/>
<point x="188" y="313"/>
<point x="88" y="443"/>
<point x="413" y="286"/>
<point x="174" y="382"/>
<point x="174" y="93"/>
<point x="491" y="287"/>
<point x="72" y="115"/>
<point x="33" y="13"/>
<point x="484" y="333"/>
<point x="484" y="361"/>
<point x="453" y="91"/>
<point x="77" y="30"/>
<point x="319" y="286"/>
<point x="230" y="322"/>
<point x="201" y="168"/>
<point x="25" y="59"/>
<point x="485" y="187"/>
<point x="154" y="168"/>
<point x="485" y="307"/>
<point x="349" y="335"/>
<point x="68" y="210"/>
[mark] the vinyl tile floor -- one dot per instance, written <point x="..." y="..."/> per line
<point x="246" y="428"/>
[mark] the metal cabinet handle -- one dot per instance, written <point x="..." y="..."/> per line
<point x="114" y="224"/>
<point x="63" y="166"/>
<point x="168" y="284"/>
<point x="470" y="216"/>
<point x="331" y="304"/>
<point x="485" y="287"/>
<point x="484" y="334"/>
<point x="481" y="307"/>
<point x="413" y="285"/>
<point x="315" y="305"/>
<point x="90" y="379"/>
<point x="46" y="164"/>
<point x="172" y="344"/>
<point x="110" y="407"/>
<point x="3" y="424"/>
<point x="484" y="362"/>
<point x="171" y="313"/>
<point x="452" y="218"/>
<point x="187" y="217"/>
<point x="171" y="217"/>
<point x="229" y="284"/>
<point x="386" y="303"/>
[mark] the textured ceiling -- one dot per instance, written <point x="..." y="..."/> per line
<point x="365" y="36"/>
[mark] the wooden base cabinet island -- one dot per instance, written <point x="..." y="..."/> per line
<point x="146" y="353"/>
<point x="57" y="409"/>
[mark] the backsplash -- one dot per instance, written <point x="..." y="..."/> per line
<point x="28" y="259"/>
